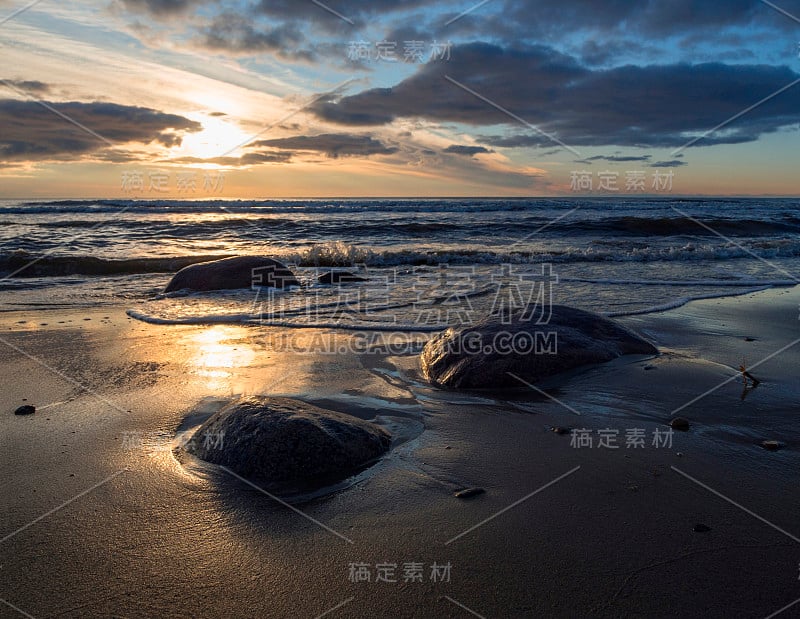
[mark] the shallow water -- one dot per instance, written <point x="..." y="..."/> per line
<point x="609" y="255"/>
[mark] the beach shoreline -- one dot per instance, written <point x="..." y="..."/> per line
<point x="566" y="531"/>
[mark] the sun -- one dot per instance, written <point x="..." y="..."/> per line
<point x="220" y="137"/>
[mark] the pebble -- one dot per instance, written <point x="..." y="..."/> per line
<point x="749" y="339"/>
<point x="469" y="493"/>
<point x="771" y="445"/>
<point x="679" y="423"/>
<point x="26" y="409"/>
<point x="647" y="368"/>
<point x="561" y="431"/>
<point x="701" y="528"/>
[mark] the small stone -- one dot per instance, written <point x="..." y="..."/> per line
<point x="679" y="423"/>
<point x="469" y="493"/>
<point x="561" y="431"/>
<point x="448" y="447"/>
<point x="647" y="368"/>
<point x="26" y="409"/>
<point x="749" y="339"/>
<point x="701" y="528"/>
<point x="771" y="445"/>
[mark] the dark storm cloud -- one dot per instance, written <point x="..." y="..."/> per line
<point x="33" y="132"/>
<point x="331" y="144"/>
<point x="468" y="151"/>
<point x="656" y="105"/>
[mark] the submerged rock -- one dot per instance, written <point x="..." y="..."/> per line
<point x="679" y="423"/>
<point x="772" y="445"/>
<point x="484" y="355"/>
<point x="287" y="443"/>
<point x="468" y="493"/>
<point x="25" y="409"/>
<point x="232" y="274"/>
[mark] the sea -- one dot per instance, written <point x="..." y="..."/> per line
<point x="422" y="263"/>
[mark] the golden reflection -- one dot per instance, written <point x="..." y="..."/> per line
<point x="219" y="350"/>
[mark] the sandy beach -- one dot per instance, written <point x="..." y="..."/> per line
<point x="100" y="519"/>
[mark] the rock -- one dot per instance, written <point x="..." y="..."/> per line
<point x="232" y="274"/>
<point x="26" y="409"/>
<point x="679" y="423"/>
<point x="469" y="493"/>
<point x="482" y="356"/>
<point x="339" y="277"/>
<point x="561" y="431"/>
<point x="701" y="528"/>
<point x="288" y="444"/>
<point x="771" y="445"/>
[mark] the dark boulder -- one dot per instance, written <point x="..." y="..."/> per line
<point x="25" y="409"/>
<point x="232" y="274"/>
<point x="288" y="444"/>
<point x="484" y="355"/>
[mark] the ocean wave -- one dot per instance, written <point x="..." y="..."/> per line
<point x="344" y="254"/>
<point x="253" y="319"/>
<point x="687" y="283"/>
<point x="683" y="226"/>
<point x="680" y="302"/>
<point x="341" y="254"/>
<point x="419" y="205"/>
<point x="24" y="264"/>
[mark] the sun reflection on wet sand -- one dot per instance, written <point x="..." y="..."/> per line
<point x="219" y="351"/>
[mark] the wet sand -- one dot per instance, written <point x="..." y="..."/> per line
<point x="143" y="536"/>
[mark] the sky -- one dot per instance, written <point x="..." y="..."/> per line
<point x="346" y="98"/>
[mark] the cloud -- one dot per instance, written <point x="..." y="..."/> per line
<point x="353" y="10"/>
<point x="32" y="132"/>
<point x="332" y="144"/>
<point x="648" y="106"/>
<point x="162" y="7"/>
<point x="610" y="21"/>
<point x="248" y="159"/>
<point x="28" y="86"/>
<point x="468" y="151"/>
<point x="237" y="34"/>
<point x="615" y="158"/>
<point x="674" y="163"/>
